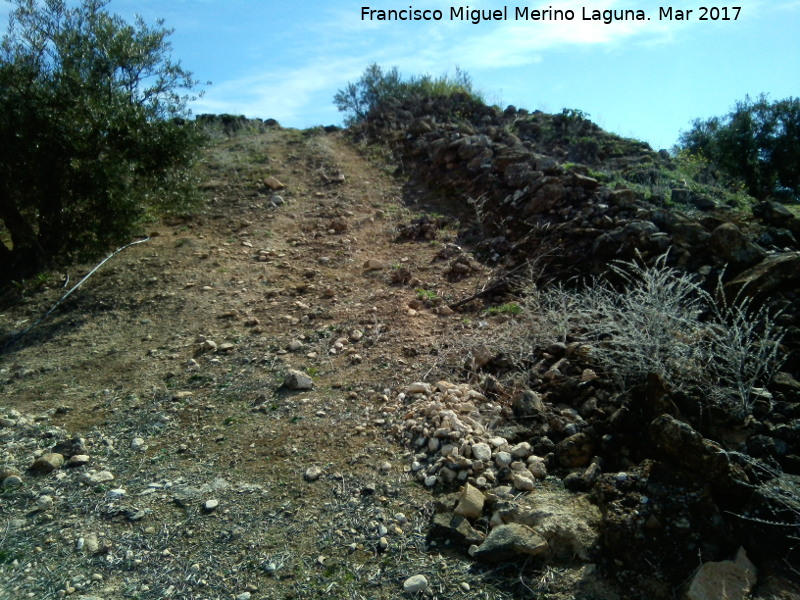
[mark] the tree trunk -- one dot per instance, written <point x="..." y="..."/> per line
<point x="25" y="256"/>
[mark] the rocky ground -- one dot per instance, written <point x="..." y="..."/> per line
<point x="273" y="398"/>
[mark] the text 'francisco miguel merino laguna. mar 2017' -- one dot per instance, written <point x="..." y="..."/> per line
<point x="524" y="13"/>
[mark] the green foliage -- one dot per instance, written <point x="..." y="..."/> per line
<point x="758" y="142"/>
<point x="377" y="85"/>
<point x="427" y="295"/>
<point x="510" y="308"/>
<point x="91" y="135"/>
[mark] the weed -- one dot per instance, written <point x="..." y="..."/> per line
<point x="427" y="295"/>
<point x="510" y="308"/>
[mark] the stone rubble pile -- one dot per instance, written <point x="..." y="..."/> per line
<point x="449" y="428"/>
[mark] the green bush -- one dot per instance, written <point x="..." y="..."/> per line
<point x="377" y="85"/>
<point x="92" y="137"/>
<point x="758" y="143"/>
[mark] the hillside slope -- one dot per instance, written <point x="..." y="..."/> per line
<point x="197" y="465"/>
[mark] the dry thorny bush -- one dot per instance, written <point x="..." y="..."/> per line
<point x="654" y="319"/>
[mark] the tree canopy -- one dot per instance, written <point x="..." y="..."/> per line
<point x="758" y="143"/>
<point x="91" y="134"/>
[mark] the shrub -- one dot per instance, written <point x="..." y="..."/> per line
<point x="92" y="137"/>
<point x="662" y="321"/>
<point x="377" y="85"/>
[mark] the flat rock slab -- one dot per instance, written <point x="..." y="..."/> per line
<point x="510" y="542"/>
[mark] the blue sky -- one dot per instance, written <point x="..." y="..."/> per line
<point x="646" y="80"/>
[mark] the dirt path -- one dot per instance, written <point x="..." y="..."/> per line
<point x="167" y="368"/>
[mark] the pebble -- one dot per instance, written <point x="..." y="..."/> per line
<point x="383" y="544"/>
<point x="12" y="481"/>
<point x="523" y="482"/>
<point x="78" y="460"/>
<point x="47" y="463"/>
<point x="312" y="474"/>
<point x="481" y="452"/>
<point x="373" y="265"/>
<point x="93" y="478"/>
<point x="415" y="584"/>
<point x="211" y="505"/>
<point x="44" y="502"/>
<point x="503" y="459"/>
<point x="298" y="381"/>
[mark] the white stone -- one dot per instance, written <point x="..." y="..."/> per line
<point x="415" y="584"/>
<point x="481" y="452"/>
<point x="521" y="450"/>
<point x="94" y="478"/>
<point x="503" y="459"/>
<point x="523" y="482"/>
<point x="313" y="473"/>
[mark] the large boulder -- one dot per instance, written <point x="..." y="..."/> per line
<point x="779" y="272"/>
<point x="731" y="246"/>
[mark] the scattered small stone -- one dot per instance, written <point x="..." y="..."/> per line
<point x="374" y="265"/>
<point x="415" y="584"/>
<point x="44" y="502"/>
<point x="273" y="184"/>
<point x="211" y="505"/>
<point x="47" y="463"/>
<point x="78" y="460"/>
<point x="94" y="478"/>
<point x="12" y="481"/>
<point x="312" y="474"/>
<point x="383" y="544"/>
<point x="298" y="381"/>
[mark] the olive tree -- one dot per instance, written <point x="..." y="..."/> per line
<point x="92" y="135"/>
<point x="757" y="143"/>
